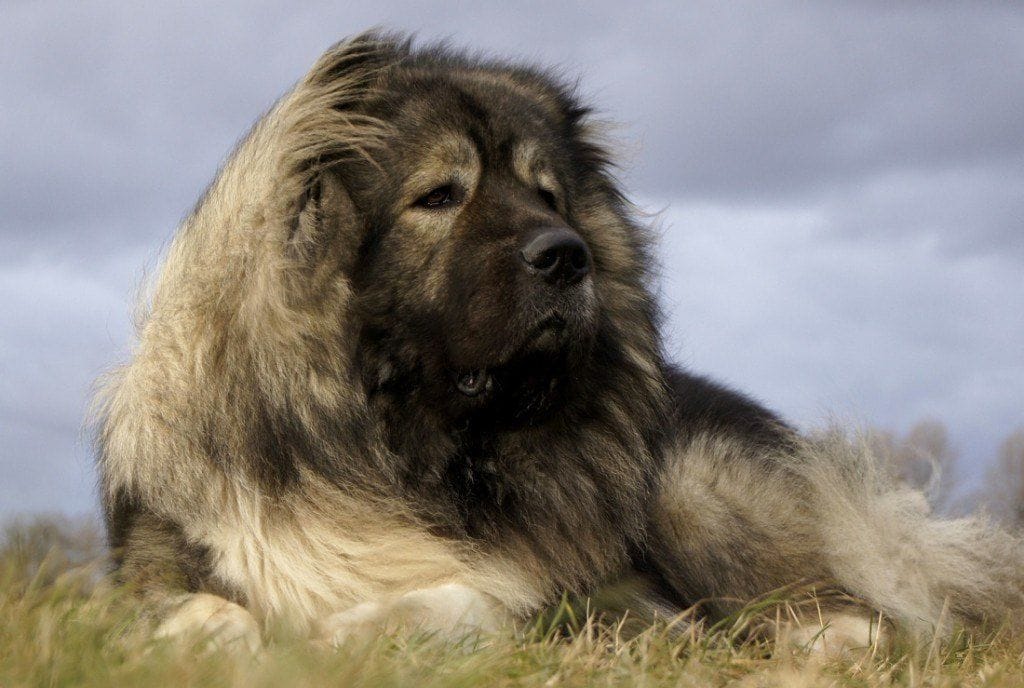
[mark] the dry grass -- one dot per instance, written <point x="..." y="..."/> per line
<point x="59" y="625"/>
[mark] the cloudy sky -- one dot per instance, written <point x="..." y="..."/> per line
<point x="839" y="188"/>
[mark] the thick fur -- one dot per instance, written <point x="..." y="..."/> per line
<point x="293" y="436"/>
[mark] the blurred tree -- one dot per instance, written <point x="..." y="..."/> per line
<point x="1004" y="483"/>
<point x="44" y="547"/>
<point x="923" y="459"/>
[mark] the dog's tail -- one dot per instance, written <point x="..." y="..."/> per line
<point x="884" y="545"/>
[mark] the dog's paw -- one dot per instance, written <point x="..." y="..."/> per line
<point x="363" y="621"/>
<point x="840" y="635"/>
<point x="452" y="610"/>
<point x="449" y="612"/>
<point x="214" y="621"/>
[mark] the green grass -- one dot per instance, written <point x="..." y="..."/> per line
<point x="59" y="626"/>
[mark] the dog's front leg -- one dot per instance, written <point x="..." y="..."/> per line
<point x="210" y="618"/>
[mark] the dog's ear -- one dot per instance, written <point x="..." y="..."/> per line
<point x="325" y="130"/>
<point x="327" y="225"/>
<point x="352" y="62"/>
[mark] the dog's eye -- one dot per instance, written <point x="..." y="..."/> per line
<point x="549" y="198"/>
<point x="441" y="196"/>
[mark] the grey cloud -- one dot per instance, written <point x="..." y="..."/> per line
<point x="62" y="326"/>
<point x="962" y="209"/>
<point x="53" y="474"/>
<point x="767" y="104"/>
<point x="883" y="332"/>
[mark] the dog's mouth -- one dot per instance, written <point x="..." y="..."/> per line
<point x="529" y="360"/>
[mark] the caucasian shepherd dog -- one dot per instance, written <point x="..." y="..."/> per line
<point x="401" y="368"/>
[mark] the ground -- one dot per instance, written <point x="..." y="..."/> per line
<point x="60" y="625"/>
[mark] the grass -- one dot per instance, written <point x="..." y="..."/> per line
<point x="60" y="625"/>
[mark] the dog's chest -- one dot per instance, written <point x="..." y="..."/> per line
<point x="298" y="563"/>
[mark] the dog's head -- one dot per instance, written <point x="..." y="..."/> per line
<point x="490" y="257"/>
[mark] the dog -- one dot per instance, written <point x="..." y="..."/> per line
<point x="401" y="368"/>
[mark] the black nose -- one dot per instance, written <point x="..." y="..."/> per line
<point x="557" y="254"/>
